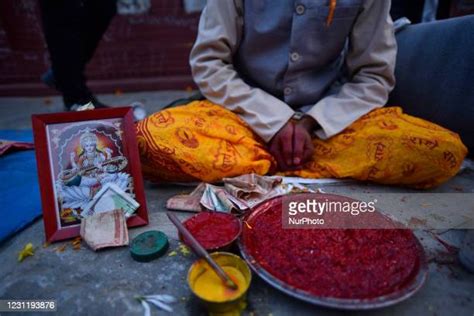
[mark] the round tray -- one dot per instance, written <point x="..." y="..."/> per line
<point x="339" y="303"/>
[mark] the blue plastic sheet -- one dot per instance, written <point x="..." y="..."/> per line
<point x="20" y="202"/>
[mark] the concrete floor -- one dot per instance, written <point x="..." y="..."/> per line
<point x="105" y="283"/>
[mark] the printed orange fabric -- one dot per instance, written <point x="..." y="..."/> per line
<point x="202" y="141"/>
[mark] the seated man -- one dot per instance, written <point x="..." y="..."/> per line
<point x="296" y="87"/>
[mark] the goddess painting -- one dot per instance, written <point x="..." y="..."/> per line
<point x="89" y="156"/>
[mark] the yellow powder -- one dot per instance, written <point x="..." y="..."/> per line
<point x="211" y="288"/>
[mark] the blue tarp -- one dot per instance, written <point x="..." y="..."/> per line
<point x="20" y="201"/>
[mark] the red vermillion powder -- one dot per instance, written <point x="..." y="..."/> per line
<point x="213" y="229"/>
<point x="355" y="264"/>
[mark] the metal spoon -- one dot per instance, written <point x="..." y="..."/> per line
<point x="201" y="252"/>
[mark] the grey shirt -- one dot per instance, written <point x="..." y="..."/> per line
<point x="265" y="59"/>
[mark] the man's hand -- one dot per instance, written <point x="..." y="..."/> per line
<point x="292" y="145"/>
<point x="302" y="145"/>
<point x="281" y="146"/>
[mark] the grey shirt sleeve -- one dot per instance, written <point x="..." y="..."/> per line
<point x="370" y="62"/>
<point x="220" y="29"/>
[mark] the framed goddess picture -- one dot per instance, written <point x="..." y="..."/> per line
<point x="78" y="154"/>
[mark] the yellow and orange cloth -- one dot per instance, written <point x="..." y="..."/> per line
<point x="202" y="141"/>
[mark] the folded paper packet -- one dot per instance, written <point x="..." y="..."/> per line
<point x="106" y="229"/>
<point x="11" y="145"/>
<point x="187" y="202"/>
<point x="251" y="185"/>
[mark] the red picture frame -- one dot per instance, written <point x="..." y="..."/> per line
<point x="76" y="154"/>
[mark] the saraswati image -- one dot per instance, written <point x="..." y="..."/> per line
<point x="88" y="159"/>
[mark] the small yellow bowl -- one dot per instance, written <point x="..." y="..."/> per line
<point x="200" y="268"/>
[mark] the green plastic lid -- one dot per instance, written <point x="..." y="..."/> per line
<point x="149" y="245"/>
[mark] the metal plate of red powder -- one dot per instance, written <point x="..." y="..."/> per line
<point x="352" y="269"/>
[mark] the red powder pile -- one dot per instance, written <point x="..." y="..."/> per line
<point x="333" y="263"/>
<point x="213" y="229"/>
